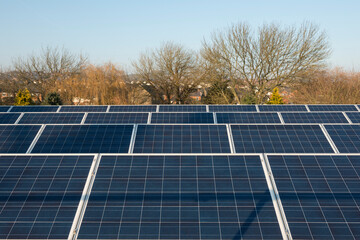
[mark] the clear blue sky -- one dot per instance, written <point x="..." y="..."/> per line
<point x="118" y="31"/>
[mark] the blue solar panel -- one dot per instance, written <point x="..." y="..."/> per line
<point x="34" y="109"/>
<point x="182" y="118"/>
<point x="354" y="116"/>
<point x="332" y="108"/>
<point x="17" y="138"/>
<point x="282" y="108"/>
<point x="54" y="118"/>
<point x="8" y="118"/>
<point x="181" y="139"/>
<point x="105" y="118"/>
<point x="182" y="108"/>
<point x="320" y="195"/>
<point x="280" y="139"/>
<point x="83" y="108"/>
<point x="180" y="197"/>
<point x="84" y="139"/>
<point x="314" y="117"/>
<point x="4" y="108"/>
<point x="247" y="118"/>
<point x="144" y="108"/>
<point x="345" y="137"/>
<point x="40" y="195"/>
<point x="232" y="108"/>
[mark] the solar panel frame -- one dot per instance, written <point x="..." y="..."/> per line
<point x="132" y="108"/>
<point x="353" y="116"/>
<point x="248" y="117"/>
<point x="9" y="118"/>
<point x="332" y="108"/>
<point x="232" y="108"/>
<point x="32" y="108"/>
<point x="182" y="118"/>
<point x="282" y="108"/>
<point x="313" y="117"/>
<point x="51" y="118"/>
<point x="117" y="118"/>
<point x="182" y="108"/>
<point x="83" y="108"/>
<point x="17" y="138"/>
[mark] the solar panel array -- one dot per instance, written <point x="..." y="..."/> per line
<point x="180" y="172"/>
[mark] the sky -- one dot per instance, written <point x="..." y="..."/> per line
<point x="119" y="30"/>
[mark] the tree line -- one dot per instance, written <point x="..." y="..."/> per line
<point x="239" y="65"/>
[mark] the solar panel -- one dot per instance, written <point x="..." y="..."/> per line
<point x="34" y="109"/>
<point x="354" y="116"/>
<point x="84" y="139"/>
<point x="314" y="117"/>
<point x="8" y="118"/>
<point x="40" y="195"/>
<point x="232" y="108"/>
<point x="247" y="118"/>
<point x="180" y="197"/>
<point x="345" y="137"/>
<point x="182" y="108"/>
<point x="280" y="139"/>
<point x="105" y="118"/>
<point x="181" y="139"/>
<point x="83" y="108"/>
<point x="51" y="118"/>
<point x="4" y="108"/>
<point x="17" y="138"/>
<point x="282" y="108"/>
<point x="123" y="108"/>
<point x="182" y="118"/>
<point x="320" y="195"/>
<point x="333" y="108"/>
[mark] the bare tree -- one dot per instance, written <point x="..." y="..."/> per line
<point x="273" y="56"/>
<point x="169" y="73"/>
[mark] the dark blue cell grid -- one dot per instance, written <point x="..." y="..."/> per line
<point x="182" y="118"/>
<point x="354" y="116"/>
<point x="17" y="138"/>
<point x="314" y="117"/>
<point x="282" y="108"/>
<point x="180" y="197"/>
<point x="8" y="118"/>
<point x="34" y="109"/>
<point x="83" y="108"/>
<point x="182" y="108"/>
<point x="51" y="118"/>
<point x="107" y="118"/>
<point x="181" y="139"/>
<point x="40" y="195"/>
<point x="333" y="108"/>
<point x="345" y="137"/>
<point x="144" y="108"/>
<point x="4" y="108"/>
<point x="320" y="195"/>
<point x="280" y="139"/>
<point x="84" y="139"/>
<point x="247" y="118"/>
<point x="232" y="108"/>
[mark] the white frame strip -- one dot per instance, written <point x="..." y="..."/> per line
<point x="357" y="107"/>
<point x="84" y="118"/>
<point x="281" y="118"/>
<point x="32" y="145"/>
<point x="157" y="108"/>
<point x="207" y="108"/>
<point x="331" y="142"/>
<point x="347" y="117"/>
<point x="230" y="137"/>
<point x="19" y="118"/>
<point x="257" y="108"/>
<point x="132" y="140"/>
<point x="58" y="110"/>
<point x="108" y="108"/>
<point x="215" y="118"/>
<point x="307" y="108"/>
<point x="9" y="108"/>
<point x="149" y="118"/>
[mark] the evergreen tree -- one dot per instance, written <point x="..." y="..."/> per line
<point x="53" y="98"/>
<point x="23" y="97"/>
<point x="275" y="98"/>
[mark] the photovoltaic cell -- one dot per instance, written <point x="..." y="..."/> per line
<point x="282" y="108"/>
<point x="4" y="108"/>
<point x="182" y="118"/>
<point x="333" y="108"/>
<point x="51" y="118"/>
<point x="34" y="109"/>
<point x="320" y="195"/>
<point x="106" y="118"/>
<point x="182" y="108"/>
<point x="314" y="117"/>
<point x="247" y="118"/>
<point x="8" y="118"/>
<point x="181" y="139"/>
<point x="84" y="139"/>
<point x="122" y="108"/>
<point x="180" y="197"/>
<point x="345" y="137"/>
<point x="354" y="116"/>
<point x="83" y="109"/>
<point x="280" y="139"/>
<point x="232" y="108"/>
<point x="17" y="138"/>
<point x="40" y="195"/>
